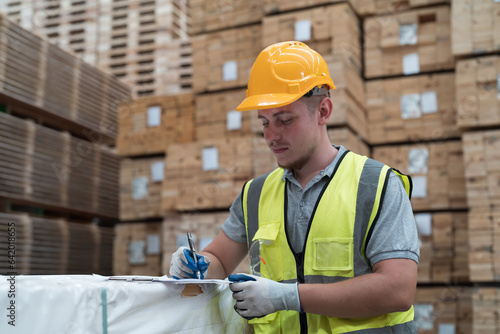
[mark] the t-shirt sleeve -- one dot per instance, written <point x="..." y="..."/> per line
<point x="395" y="232"/>
<point x="234" y="225"/>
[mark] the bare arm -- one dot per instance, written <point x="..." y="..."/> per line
<point x="225" y="255"/>
<point x="390" y="288"/>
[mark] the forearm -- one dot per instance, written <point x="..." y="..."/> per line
<point x="215" y="269"/>
<point x="365" y="296"/>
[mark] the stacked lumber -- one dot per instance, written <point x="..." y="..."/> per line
<point x="412" y="108"/>
<point x="475" y="27"/>
<point x="138" y="249"/>
<point x="278" y="6"/>
<point x="216" y="116"/>
<point x="476" y="85"/>
<point x="223" y="59"/>
<point x="203" y="227"/>
<point x="47" y="167"/>
<point x="486" y="310"/>
<point x="437" y="171"/>
<point x="46" y="246"/>
<point x="482" y="172"/>
<point x="347" y="138"/>
<point x="377" y="7"/>
<point x="140" y="188"/>
<point x="407" y="43"/>
<point x="445" y="309"/>
<point x="147" y="125"/>
<point x="443" y="247"/>
<point x="210" y="15"/>
<point x="146" y="45"/>
<point x="56" y="84"/>
<point x="208" y="174"/>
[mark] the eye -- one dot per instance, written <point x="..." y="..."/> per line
<point x="286" y="121"/>
<point x="265" y="124"/>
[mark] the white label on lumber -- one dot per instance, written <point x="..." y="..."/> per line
<point x="230" y="71"/>
<point x="303" y="30"/>
<point x="411" y="64"/>
<point x="140" y="187"/>
<point x="417" y="161"/>
<point x="233" y="120"/>
<point x="136" y="252"/>
<point x="429" y="102"/>
<point x="210" y="158"/>
<point x="153" y="244"/>
<point x="408" y="34"/>
<point x="424" y="316"/>
<point x="182" y="239"/>
<point x="410" y="106"/>
<point x="204" y="242"/>
<point x="446" y="329"/>
<point x="419" y="187"/>
<point x="157" y="169"/>
<point x="424" y="223"/>
<point x="154" y="116"/>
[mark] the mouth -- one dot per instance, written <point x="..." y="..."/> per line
<point x="278" y="150"/>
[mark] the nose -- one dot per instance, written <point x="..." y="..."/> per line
<point x="272" y="132"/>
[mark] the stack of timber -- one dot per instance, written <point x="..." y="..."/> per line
<point x="437" y="170"/>
<point x="48" y="81"/>
<point x="278" y="6"/>
<point x="147" y="125"/>
<point x="46" y="246"/>
<point x="146" y="45"/>
<point x="205" y="226"/>
<point x="486" y="310"/>
<point x="137" y="249"/>
<point x="379" y="7"/>
<point x="408" y="43"/>
<point x="412" y="109"/>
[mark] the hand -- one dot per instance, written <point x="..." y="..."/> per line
<point x="259" y="296"/>
<point x="182" y="264"/>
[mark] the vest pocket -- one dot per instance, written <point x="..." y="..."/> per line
<point x="267" y="261"/>
<point x="333" y="254"/>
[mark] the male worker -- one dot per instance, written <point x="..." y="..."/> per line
<point x="330" y="234"/>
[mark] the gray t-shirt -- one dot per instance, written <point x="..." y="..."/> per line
<point x="395" y="233"/>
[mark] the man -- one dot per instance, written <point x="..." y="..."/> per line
<point x="330" y="234"/>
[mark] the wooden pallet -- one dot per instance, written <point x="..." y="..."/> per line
<point x="443" y="309"/>
<point x="476" y="88"/>
<point x="475" y="27"/>
<point x="207" y="16"/>
<point x="482" y="173"/>
<point x="412" y="108"/>
<point x="203" y="226"/>
<point x="140" y="135"/>
<point x="376" y="7"/>
<point x="209" y="174"/>
<point x="394" y="47"/>
<point x="238" y="47"/>
<point x="138" y="249"/>
<point x="437" y="170"/>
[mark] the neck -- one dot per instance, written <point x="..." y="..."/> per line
<point x="318" y="161"/>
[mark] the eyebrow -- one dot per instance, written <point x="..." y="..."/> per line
<point x="279" y="113"/>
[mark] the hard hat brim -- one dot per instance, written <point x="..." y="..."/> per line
<point x="266" y="101"/>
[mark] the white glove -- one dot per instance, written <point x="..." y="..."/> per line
<point x="258" y="296"/>
<point x="182" y="264"/>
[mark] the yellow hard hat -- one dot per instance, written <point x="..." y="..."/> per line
<point x="282" y="73"/>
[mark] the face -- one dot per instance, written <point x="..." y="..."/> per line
<point x="291" y="132"/>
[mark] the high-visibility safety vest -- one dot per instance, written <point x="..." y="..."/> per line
<point x="339" y="230"/>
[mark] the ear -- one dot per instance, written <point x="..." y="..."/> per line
<point x="325" y="110"/>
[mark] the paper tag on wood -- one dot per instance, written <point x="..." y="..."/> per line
<point x="157" y="170"/>
<point x="230" y="71"/>
<point x="210" y="156"/>
<point x="411" y="64"/>
<point x="410" y="106"/>
<point x="233" y="120"/>
<point x="424" y="223"/>
<point x="140" y="187"/>
<point x="419" y="187"/>
<point x="424" y="316"/>
<point x="408" y="34"/>
<point x="153" y="244"/>
<point x="136" y="252"/>
<point x="417" y="160"/>
<point x="429" y="102"/>
<point x="446" y="329"/>
<point x="154" y="116"/>
<point x="303" y="30"/>
<point x="182" y="240"/>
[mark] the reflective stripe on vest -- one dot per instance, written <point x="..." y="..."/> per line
<point x="351" y="200"/>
